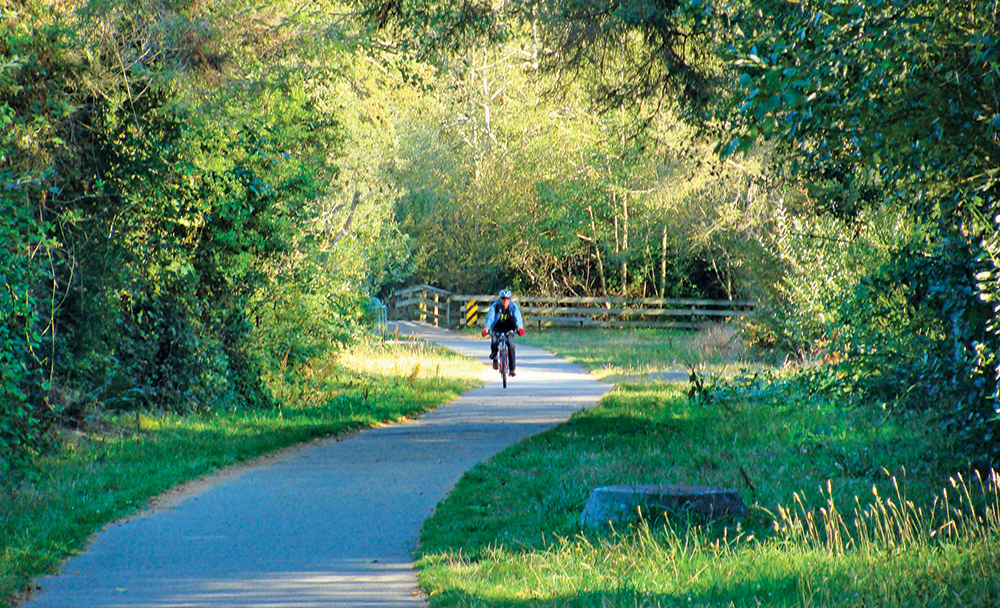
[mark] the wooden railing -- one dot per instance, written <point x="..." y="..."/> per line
<point x="447" y="309"/>
<point x="423" y="303"/>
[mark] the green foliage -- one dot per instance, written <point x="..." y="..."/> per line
<point x="164" y="194"/>
<point x="632" y="52"/>
<point x="29" y="253"/>
<point x="894" y="105"/>
<point x="882" y="112"/>
<point x="496" y="188"/>
<point x="20" y="336"/>
<point x="822" y="262"/>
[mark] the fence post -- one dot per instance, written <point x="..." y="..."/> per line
<point x="437" y="311"/>
<point x="383" y="320"/>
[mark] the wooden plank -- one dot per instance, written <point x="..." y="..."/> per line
<point x="399" y="293"/>
<point x="631" y="312"/>
<point x="488" y="299"/>
<point x="653" y="324"/>
<point x="558" y="320"/>
<point x="544" y="322"/>
<point x="634" y="301"/>
<point x="420" y="288"/>
<point x="411" y="310"/>
<point x="551" y="311"/>
<point x="420" y="300"/>
<point x="528" y="300"/>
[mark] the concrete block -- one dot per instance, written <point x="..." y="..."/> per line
<point x="620" y="504"/>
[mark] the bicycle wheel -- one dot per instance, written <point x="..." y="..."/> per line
<point x="503" y="364"/>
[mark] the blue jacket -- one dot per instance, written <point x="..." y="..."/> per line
<point x="493" y="315"/>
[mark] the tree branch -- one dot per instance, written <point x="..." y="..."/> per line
<point x="347" y="223"/>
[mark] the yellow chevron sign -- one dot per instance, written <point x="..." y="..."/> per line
<point x="471" y="313"/>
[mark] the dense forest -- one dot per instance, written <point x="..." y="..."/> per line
<point x="198" y="197"/>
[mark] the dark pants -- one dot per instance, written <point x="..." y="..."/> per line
<point x="495" y="346"/>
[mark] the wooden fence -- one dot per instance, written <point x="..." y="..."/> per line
<point x="447" y="309"/>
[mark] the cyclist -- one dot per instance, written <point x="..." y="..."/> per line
<point x="504" y="315"/>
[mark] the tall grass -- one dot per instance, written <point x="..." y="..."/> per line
<point x="959" y="514"/>
<point x="892" y="554"/>
<point x="829" y="525"/>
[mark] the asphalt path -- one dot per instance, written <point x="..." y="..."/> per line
<point x="332" y="524"/>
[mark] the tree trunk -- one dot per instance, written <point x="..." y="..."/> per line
<point x="624" y="247"/>
<point x="663" y="263"/>
<point x="597" y="253"/>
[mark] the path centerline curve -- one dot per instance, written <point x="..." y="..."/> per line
<point x="330" y="525"/>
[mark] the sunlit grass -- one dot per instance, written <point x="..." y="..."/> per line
<point x="118" y="463"/>
<point x="847" y="505"/>
<point x="658" y="566"/>
<point x="648" y="355"/>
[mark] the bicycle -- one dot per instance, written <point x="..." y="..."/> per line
<point x="503" y="354"/>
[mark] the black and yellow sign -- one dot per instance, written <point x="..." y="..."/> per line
<point x="471" y="313"/>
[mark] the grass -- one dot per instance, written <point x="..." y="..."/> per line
<point x="849" y="507"/>
<point x="118" y="464"/>
<point x="641" y="356"/>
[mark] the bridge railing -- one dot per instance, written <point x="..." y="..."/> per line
<point x="447" y="309"/>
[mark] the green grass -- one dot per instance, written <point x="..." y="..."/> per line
<point x="119" y="464"/>
<point x="638" y="356"/>
<point x="816" y="536"/>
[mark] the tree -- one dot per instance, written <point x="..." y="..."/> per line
<point x="509" y="178"/>
<point x="874" y="106"/>
<point x="897" y="105"/>
<point x="165" y="169"/>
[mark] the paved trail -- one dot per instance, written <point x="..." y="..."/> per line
<point x="330" y="525"/>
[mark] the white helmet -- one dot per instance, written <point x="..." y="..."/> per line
<point x="505" y="293"/>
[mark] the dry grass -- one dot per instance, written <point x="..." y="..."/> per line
<point x="645" y="356"/>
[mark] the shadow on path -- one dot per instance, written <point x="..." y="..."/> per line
<point x="330" y="525"/>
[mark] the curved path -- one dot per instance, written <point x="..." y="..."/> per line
<point x="333" y="524"/>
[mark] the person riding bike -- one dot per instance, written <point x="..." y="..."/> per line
<point x="504" y="315"/>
